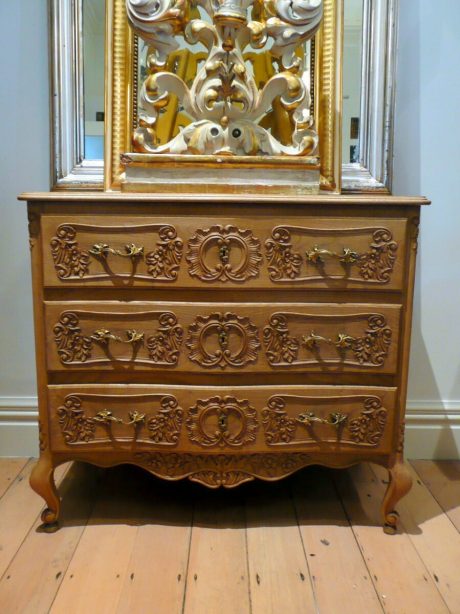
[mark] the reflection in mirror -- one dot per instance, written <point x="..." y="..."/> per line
<point x="93" y="77"/>
<point x="352" y="75"/>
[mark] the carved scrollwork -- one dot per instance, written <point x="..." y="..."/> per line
<point x="222" y="421"/>
<point x="34" y="226"/>
<point x="75" y="426"/>
<point x="369" y="426"/>
<point x="69" y="260"/>
<point x="279" y="427"/>
<point x="224" y="240"/>
<point x="378" y="262"/>
<point x="166" y="425"/>
<point x="369" y="349"/>
<point x="224" y="101"/>
<point x="374" y="265"/>
<point x="223" y="340"/>
<point x="372" y="347"/>
<point x="280" y="346"/>
<point x="225" y="470"/>
<point x="164" y="261"/>
<point x="283" y="262"/>
<point x="71" y="344"/>
<point x="367" y="429"/>
<point x="164" y="345"/>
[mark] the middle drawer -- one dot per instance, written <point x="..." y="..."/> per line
<point x="219" y="337"/>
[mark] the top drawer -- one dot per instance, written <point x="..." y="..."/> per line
<point x="194" y="252"/>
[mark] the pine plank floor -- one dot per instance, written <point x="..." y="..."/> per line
<point x="130" y="543"/>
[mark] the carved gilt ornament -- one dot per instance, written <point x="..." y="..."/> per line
<point x="224" y="102"/>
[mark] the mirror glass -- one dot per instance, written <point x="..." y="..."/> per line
<point x="352" y="67"/>
<point x="93" y="77"/>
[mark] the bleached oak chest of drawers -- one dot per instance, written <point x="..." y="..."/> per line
<point x="222" y="338"/>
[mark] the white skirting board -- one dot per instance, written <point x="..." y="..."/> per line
<point x="432" y="431"/>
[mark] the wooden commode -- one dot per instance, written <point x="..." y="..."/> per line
<point x="222" y="338"/>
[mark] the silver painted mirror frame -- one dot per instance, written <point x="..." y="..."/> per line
<point x="373" y="172"/>
<point x="70" y="169"/>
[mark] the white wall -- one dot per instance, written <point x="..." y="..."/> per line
<point x="426" y="162"/>
<point x="24" y="165"/>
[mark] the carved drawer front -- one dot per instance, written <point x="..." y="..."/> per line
<point x="218" y="419"/>
<point x="113" y="251"/>
<point x="250" y="251"/>
<point x="113" y="417"/>
<point x="112" y="336"/>
<point x="215" y="338"/>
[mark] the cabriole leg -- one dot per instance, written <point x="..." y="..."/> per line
<point x="42" y="481"/>
<point x="399" y="485"/>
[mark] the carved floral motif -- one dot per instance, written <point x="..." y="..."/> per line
<point x="226" y="470"/>
<point x="374" y="265"/>
<point x="223" y="328"/>
<point x="369" y="426"/>
<point x="208" y="422"/>
<point x="163" y="347"/>
<point x="283" y="263"/>
<point x="164" y="426"/>
<point x="72" y="345"/>
<point x="223" y="240"/>
<point x="69" y="260"/>
<point x="162" y="263"/>
<point x="370" y="349"/>
<point x="75" y="426"/>
<point x="366" y="429"/>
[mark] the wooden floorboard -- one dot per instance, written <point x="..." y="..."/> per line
<point x="330" y="544"/>
<point x="32" y="580"/>
<point x="10" y="468"/>
<point x="19" y="509"/>
<point x="278" y="570"/>
<point x="443" y="480"/>
<point x="130" y="543"/>
<point x="434" y="536"/>
<point x="402" y="580"/>
<point x="217" y="578"/>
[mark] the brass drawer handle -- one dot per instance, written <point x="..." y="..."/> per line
<point x="317" y="255"/>
<point x="336" y="419"/>
<point x="104" y="336"/>
<point x="103" y="250"/>
<point x="342" y="342"/>
<point x="106" y="417"/>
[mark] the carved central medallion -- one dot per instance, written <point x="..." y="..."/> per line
<point x="223" y="340"/>
<point x="224" y="253"/>
<point x="222" y="422"/>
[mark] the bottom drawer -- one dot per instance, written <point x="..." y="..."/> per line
<point x="186" y="419"/>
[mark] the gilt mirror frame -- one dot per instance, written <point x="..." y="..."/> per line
<point x="121" y="92"/>
<point x="70" y="169"/>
